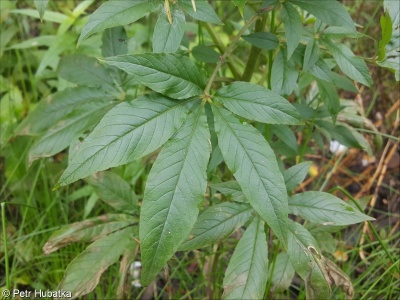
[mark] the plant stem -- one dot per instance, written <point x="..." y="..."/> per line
<point x="221" y="48"/>
<point x="254" y="52"/>
<point x="271" y="52"/>
<point x="227" y="52"/>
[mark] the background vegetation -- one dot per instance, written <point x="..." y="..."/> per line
<point x="30" y="51"/>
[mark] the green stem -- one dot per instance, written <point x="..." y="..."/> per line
<point x="271" y="52"/>
<point x="254" y="52"/>
<point x="379" y="279"/>
<point x="227" y="52"/>
<point x="220" y="45"/>
<point x="3" y="223"/>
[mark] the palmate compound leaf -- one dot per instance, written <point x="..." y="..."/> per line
<point x="83" y="273"/>
<point x="254" y="165"/>
<point x="324" y="208"/>
<point x="127" y="132"/>
<point x="215" y="223"/>
<point x="173" y="75"/>
<point x="174" y="190"/>
<point x="116" y="13"/>
<point x="257" y="103"/>
<point x="247" y="272"/>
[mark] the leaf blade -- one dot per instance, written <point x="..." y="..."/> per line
<point x="353" y="66"/>
<point x="293" y="27"/>
<point x="173" y="75"/>
<point x="167" y="37"/>
<point x="324" y="208"/>
<point x="215" y="223"/>
<point x="113" y="190"/>
<point x="115" y="13"/>
<point x="263" y="40"/>
<point x="174" y="190"/>
<point x="127" y="132"/>
<point x="83" y="273"/>
<point x="246" y="275"/>
<point x="257" y="103"/>
<point x="329" y="12"/>
<point x="254" y="165"/>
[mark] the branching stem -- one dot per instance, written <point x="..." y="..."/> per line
<point x="228" y="51"/>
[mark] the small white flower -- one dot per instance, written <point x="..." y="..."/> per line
<point x="336" y="147"/>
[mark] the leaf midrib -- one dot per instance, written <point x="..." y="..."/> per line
<point x="180" y="174"/>
<point x="130" y="131"/>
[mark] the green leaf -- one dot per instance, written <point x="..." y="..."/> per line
<point x="127" y="132"/>
<point x="351" y="65"/>
<point x="64" y="132"/>
<point x="293" y="27"/>
<point x="326" y="209"/>
<point x="387" y="30"/>
<point x="230" y="188"/>
<point x="56" y="106"/>
<point x="50" y="16"/>
<point x="263" y="40"/>
<point x="173" y="75"/>
<point x="240" y="5"/>
<point x="216" y="223"/>
<point x="345" y="135"/>
<point x="167" y="37"/>
<point x="44" y="40"/>
<point x="247" y="273"/>
<point x="89" y="230"/>
<point x="205" y="54"/>
<point x="330" y="96"/>
<point x="41" y="7"/>
<point x="113" y="190"/>
<point x="83" y="273"/>
<point x="287" y="136"/>
<point x="257" y="103"/>
<point x="322" y="71"/>
<point x="116" y="13"/>
<point x="113" y="42"/>
<point x="204" y="11"/>
<point x="52" y="57"/>
<point x="342" y="82"/>
<point x="296" y="174"/>
<point x="174" y="190"/>
<point x="333" y="32"/>
<point x="301" y="248"/>
<point x="328" y="11"/>
<point x="85" y="70"/>
<point x="254" y="165"/>
<point x="311" y="55"/>
<point x="283" y="273"/>
<point x="284" y="75"/>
